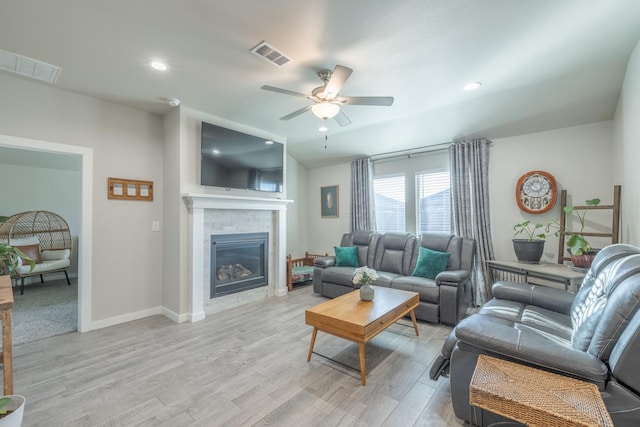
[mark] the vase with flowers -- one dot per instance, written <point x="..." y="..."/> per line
<point x="364" y="276"/>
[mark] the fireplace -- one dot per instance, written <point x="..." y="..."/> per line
<point x="239" y="262"/>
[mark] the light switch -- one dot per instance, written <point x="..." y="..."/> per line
<point x="155" y="225"/>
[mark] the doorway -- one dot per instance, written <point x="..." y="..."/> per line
<point x="81" y="157"/>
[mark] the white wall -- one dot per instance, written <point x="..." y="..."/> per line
<point x="298" y="227"/>
<point x="325" y="233"/>
<point x="185" y="164"/>
<point x="127" y="143"/>
<point x="627" y="144"/>
<point x="173" y="249"/>
<point x="581" y="160"/>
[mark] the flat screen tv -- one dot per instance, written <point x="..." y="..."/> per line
<point x="233" y="159"/>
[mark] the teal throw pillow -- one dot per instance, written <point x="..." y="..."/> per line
<point x="346" y="256"/>
<point x="430" y="263"/>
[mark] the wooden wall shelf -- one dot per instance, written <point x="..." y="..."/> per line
<point x="615" y="221"/>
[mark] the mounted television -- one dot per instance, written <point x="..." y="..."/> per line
<point x="233" y="159"/>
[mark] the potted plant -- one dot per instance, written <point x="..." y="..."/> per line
<point x="11" y="410"/>
<point x="529" y="250"/>
<point x="579" y="248"/>
<point x="10" y="258"/>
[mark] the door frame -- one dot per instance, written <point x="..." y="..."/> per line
<point x="85" y="233"/>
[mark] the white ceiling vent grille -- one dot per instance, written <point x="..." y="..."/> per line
<point x="28" y="67"/>
<point x="269" y="53"/>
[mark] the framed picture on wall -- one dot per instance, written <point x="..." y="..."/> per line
<point x="329" y="201"/>
<point x="129" y="189"/>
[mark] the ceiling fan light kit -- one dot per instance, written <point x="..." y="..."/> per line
<point x="325" y="110"/>
<point x="472" y="86"/>
<point x="327" y="99"/>
<point x="158" y="65"/>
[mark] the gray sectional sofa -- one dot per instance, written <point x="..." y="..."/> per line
<point x="593" y="335"/>
<point x="443" y="299"/>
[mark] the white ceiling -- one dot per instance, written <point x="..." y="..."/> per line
<point x="544" y="64"/>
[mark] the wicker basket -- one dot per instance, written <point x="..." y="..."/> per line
<point x="535" y="397"/>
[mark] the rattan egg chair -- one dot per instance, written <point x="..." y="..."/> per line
<point x="45" y="237"/>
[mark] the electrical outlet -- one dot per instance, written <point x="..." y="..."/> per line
<point x="155" y="225"/>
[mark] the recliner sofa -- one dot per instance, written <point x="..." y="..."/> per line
<point x="593" y="335"/>
<point x="443" y="299"/>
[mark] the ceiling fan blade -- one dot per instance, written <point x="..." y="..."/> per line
<point x="339" y="76"/>
<point x="296" y="113"/>
<point x="342" y="119"/>
<point x="384" y="101"/>
<point x="283" y="91"/>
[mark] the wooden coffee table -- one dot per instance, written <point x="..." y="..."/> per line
<point x="359" y="321"/>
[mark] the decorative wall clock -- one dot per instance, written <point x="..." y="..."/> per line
<point x="536" y="192"/>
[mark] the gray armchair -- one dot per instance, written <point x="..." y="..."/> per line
<point x="593" y="335"/>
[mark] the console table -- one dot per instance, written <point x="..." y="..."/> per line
<point x="558" y="273"/>
<point x="531" y="396"/>
<point x="6" y="307"/>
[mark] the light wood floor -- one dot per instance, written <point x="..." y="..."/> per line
<point x="246" y="366"/>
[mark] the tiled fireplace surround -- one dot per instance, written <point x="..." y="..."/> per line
<point x="211" y="214"/>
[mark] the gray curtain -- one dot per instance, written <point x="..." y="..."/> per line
<point x="469" y="162"/>
<point x="362" y="205"/>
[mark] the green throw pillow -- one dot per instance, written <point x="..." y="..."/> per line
<point x="346" y="256"/>
<point x="430" y="263"/>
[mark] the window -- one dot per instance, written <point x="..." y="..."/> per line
<point x="433" y="202"/>
<point x="412" y="193"/>
<point x="390" y="203"/>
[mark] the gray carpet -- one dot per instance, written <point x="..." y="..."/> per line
<point x="44" y="310"/>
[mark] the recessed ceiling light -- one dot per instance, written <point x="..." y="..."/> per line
<point x="323" y="129"/>
<point x="268" y="142"/>
<point x="472" y="86"/>
<point x="158" y="65"/>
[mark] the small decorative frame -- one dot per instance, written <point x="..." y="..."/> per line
<point x="329" y="202"/>
<point x="130" y="189"/>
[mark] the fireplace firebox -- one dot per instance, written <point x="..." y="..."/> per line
<point x="239" y="262"/>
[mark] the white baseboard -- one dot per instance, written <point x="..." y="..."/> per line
<point x="112" y="321"/>
<point x="171" y="315"/>
<point x="181" y="318"/>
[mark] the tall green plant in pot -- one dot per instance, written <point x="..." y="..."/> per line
<point x="530" y="249"/>
<point x="579" y="248"/>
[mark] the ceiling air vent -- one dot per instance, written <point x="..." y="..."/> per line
<point x="28" y="67"/>
<point x="269" y="53"/>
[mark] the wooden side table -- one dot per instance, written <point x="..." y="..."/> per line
<point x="557" y="273"/>
<point x="6" y="307"/>
<point x="535" y="397"/>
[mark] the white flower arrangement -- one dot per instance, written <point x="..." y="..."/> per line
<point x="364" y="275"/>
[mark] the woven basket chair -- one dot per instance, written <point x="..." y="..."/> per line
<point x="51" y="230"/>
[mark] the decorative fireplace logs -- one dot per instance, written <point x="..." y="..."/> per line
<point x="232" y="272"/>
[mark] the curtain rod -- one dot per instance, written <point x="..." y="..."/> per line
<point x="438" y="147"/>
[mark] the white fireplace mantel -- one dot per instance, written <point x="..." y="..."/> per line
<point x="197" y="204"/>
<point x="223" y="201"/>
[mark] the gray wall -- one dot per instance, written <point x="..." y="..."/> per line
<point x="126" y="143"/>
<point x="566" y="153"/>
<point x="627" y="149"/>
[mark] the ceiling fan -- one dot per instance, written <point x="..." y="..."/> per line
<point x="326" y="98"/>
